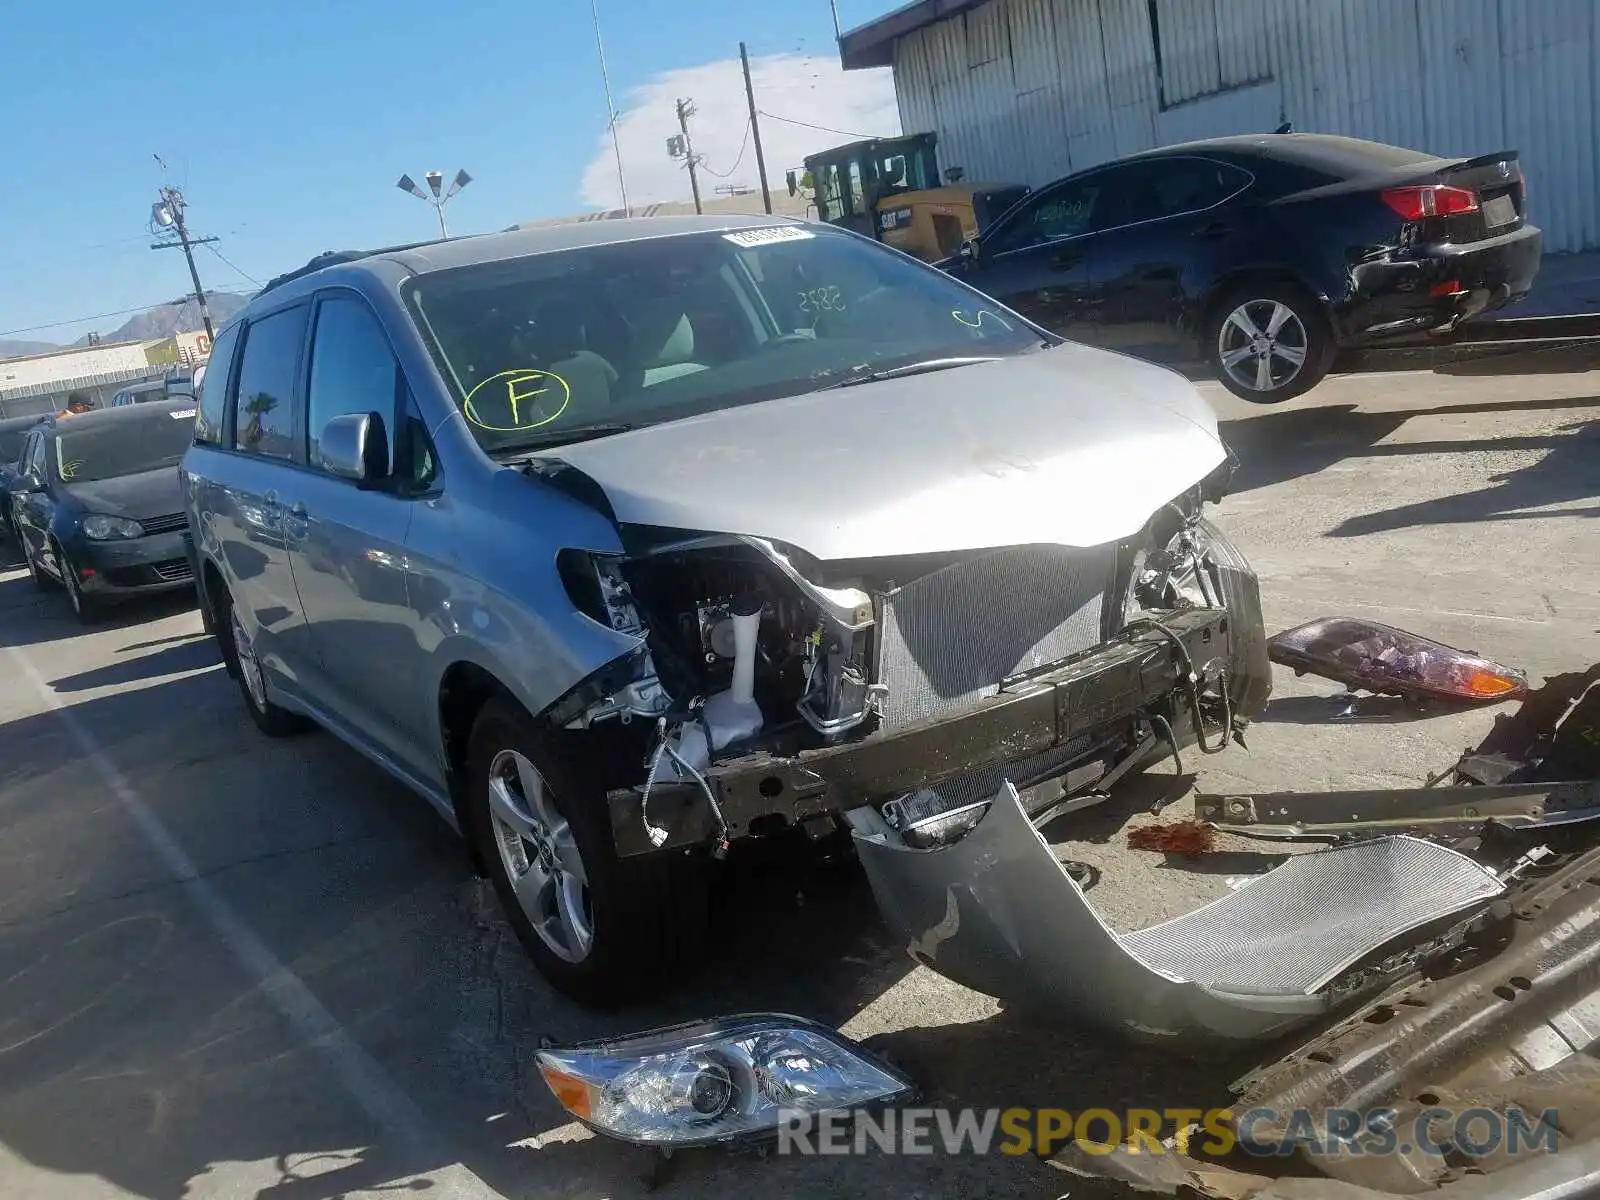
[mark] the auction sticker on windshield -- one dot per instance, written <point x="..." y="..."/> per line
<point x="182" y="414"/>
<point x="750" y="238"/>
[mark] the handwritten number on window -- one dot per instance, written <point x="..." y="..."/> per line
<point x="821" y="300"/>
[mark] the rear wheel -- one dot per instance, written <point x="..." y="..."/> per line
<point x="239" y="653"/>
<point x="600" y="928"/>
<point x="1268" y="342"/>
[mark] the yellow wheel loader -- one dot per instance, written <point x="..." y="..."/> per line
<point x="890" y="189"/>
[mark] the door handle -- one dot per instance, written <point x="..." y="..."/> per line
<point x="1066" y="259"/>
<point x="1215" y="229"/>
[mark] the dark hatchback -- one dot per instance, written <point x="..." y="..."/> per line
<point x="97" y="505"/>
<point x="1267" y="253"/>
<point x="13" y="435"/>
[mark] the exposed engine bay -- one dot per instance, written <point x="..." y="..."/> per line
<point x="752" y="652"/>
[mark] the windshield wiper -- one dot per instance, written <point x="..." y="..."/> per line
<point x="562" y="437"/>
<point x="916" y="368"/>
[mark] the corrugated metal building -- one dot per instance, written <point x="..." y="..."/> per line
<point x="1031" y="90"/>
<point x="40" y="383"/>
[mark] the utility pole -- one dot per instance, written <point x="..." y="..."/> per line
<point x="755" y="128"/>
<point x="167" y="213"/>
<point x="685" y="111"/>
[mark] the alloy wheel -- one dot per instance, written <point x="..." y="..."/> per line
<point x="1263" y="345"/>
<point x="540" y="856"/>
<point x="249" y="667"/>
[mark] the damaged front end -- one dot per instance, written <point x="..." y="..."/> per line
<point x="771" y="690"/>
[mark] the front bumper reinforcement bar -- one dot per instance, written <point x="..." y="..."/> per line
<point x="1031" y="714"/>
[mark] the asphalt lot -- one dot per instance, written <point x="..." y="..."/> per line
<point x="235" y="968"/>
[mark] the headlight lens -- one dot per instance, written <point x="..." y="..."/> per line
<point x="714" y="1081"/>
<point x="102" y="528"/>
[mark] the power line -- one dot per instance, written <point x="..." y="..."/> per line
<point x="809" y="125"/>
<point x="742" y="146"/>
<point x="231" y="263"/>
<point x="123" y="312"/>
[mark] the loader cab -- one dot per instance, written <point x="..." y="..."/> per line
<point x="890" y="189"/>
<point x="851" y="181"/>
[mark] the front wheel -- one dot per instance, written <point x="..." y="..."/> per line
<point x="84" y="607"/>
<point x="600" y="928"/>
<point x="1269" y="342"/>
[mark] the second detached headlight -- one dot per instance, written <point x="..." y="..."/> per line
<point x="714" y="1081"/>
<point x="103" y="528"/>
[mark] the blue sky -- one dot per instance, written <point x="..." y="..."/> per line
<point x="287" y="125"/>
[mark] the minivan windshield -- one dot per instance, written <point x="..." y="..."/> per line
<point x="108" y="449"/>
<point x="572" y="343"/>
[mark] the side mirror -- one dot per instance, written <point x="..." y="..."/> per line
<point x="968" y="251"/>
<point x="28" y="481"/>
<point x="794" y="184"/>
<point x="355" y="447"/>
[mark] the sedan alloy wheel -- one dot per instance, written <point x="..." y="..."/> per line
<point x="1263" y="345"/>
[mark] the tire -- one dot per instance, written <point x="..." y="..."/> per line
<point x="601" y="929"/>
<point x="85" y="608"/>
<point x="41" y="581"/>
<point x="269" y="718"/>
<point x="1290" y="351"/>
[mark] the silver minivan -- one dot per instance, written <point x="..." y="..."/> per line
<point x="626" y="542"/>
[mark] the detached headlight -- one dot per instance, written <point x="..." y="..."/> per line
<point x="102" y="528"/>
<point x="713" y="1081"/>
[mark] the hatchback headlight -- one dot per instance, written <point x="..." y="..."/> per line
<point x="103" y="528"/>
<point x="714" y="1081"/>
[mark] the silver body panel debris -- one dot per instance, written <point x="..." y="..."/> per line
<point x="997" y="912"/>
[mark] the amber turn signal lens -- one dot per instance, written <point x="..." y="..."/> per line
<point x="572" y="1092"/>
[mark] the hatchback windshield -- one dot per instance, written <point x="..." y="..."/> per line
<point x="542" y="348"/>
<point x="113" y="448"/>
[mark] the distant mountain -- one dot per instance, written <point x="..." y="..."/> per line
<point x="160" y="322"/>
<point x="167" y="319"/>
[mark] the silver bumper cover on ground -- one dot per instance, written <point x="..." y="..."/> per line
<point x="997" y="912"/>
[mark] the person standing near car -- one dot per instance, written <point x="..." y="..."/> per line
<point x="77" y="403"/>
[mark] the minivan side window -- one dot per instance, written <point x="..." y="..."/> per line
<point x="353" y="370"/>
<point x="214" y="388"/>
<point x="263" y="421"/>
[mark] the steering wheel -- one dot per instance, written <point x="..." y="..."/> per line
<point x="788" y="339"/>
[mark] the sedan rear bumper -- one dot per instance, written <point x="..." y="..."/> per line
<point x="1432" y="289"/>
<point x="1041" y="726"/>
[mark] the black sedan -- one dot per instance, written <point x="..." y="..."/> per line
<point x="1267" y="253"/>
<point x="98" y="508"/>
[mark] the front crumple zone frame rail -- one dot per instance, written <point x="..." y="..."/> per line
<point x="1051" y="708"/>
<point x="997" y="912"/>
<point x="1448" y="811"/>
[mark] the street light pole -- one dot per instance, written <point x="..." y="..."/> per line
<point x="439" y="197"/>
<point x="611" y="108"/>
<point x="167" y="213"/>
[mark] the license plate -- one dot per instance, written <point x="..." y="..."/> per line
<point x="1499" y="211"/>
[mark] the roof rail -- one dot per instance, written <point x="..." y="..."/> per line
<point x="333" y="258"/>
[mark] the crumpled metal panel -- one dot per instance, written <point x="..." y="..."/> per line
<point x="997" y="912"/>
<point x="949" y="638"/>
<point x="1297" y="927"/>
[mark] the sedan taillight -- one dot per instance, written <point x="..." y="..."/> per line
<point x="1433" y="200"/>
